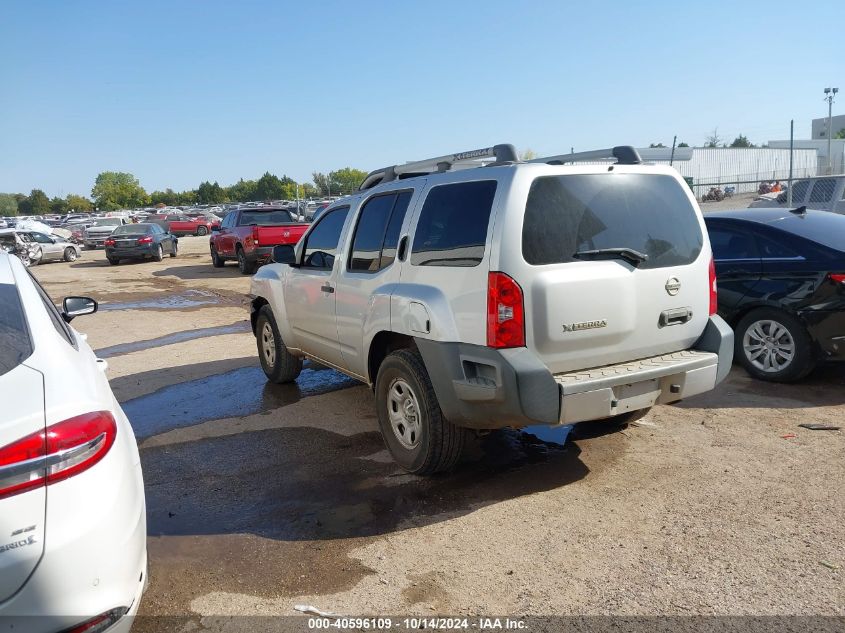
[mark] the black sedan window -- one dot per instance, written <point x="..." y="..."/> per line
<point x="731" y="244"/>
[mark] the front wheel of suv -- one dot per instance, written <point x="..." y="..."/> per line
<point x="279" y="365"/>
<point x="417" y="435"/>
<point x="773" y="345"/>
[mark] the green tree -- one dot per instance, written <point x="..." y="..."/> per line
<point x="118" y="190"/>
<point x="714" y="140"/>
<point x="840" y="133"/>
<point x="526" y="154"/>
<point x="321" y="183"/>
<point x="242" y="191"/>
<point x="269" y="187"/>
<point x="208" y="193"/>
<point x="307" y="190"/>
<point x="39" y="203"/>
<point x="8" y="204"/>
<point x="742" y="141"/>
<point x="78" y="204"/>
<point x="682" y="145"/>
<point x="657" y="145"/>
<point x="346" y="180"/>
<point x="58" y="206"/>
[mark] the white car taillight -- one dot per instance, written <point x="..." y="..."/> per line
<point x="65" y="449"/>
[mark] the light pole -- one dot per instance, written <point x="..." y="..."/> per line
<point x="830" y="95"/>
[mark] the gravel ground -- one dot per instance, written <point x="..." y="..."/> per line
<point x="261" y="497"/>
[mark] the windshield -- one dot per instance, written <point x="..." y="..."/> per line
<point x="266" y="218"/>
<point x="107" y="222"/>
<point x="567" y="217"/>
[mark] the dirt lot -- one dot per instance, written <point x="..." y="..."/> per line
<point x="261" y="497"/>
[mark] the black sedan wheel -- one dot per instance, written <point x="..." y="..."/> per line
<point x="158" y="254"/>
<point x="773" y="345"/>
<point x="175" y="250"/>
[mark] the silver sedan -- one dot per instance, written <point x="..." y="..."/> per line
<point x="52" y="248"/>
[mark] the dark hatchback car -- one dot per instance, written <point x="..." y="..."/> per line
<point x="781" y="282"/>
<point x="140" y="241"/>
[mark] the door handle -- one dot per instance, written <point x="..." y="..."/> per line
<point x="678" y="316"/>
<point x="327" y="288"/>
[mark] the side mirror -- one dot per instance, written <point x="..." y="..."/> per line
<point x="284" y="254"/>
<point x="77" y="306"/>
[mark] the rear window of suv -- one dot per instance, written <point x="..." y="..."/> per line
<point x="15" y="344"/>
<point x="651" y="214"/>
<point x="452" y="229"/>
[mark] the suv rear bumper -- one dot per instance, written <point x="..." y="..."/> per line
<point x="483" y="388"/>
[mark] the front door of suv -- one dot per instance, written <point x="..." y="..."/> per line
<point x="310" y="295"/>
<point x="366" y="274"/>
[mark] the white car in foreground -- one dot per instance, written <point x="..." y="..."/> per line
<point x="72" y="513"/>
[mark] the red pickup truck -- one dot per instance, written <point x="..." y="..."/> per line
<point x="248" y="235"/>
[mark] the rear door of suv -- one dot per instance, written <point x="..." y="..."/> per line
<point x="584" y="305"/>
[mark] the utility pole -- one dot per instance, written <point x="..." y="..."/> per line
<point x="672" y="157"/>
<point x="831" y="94"/>
<point x="789" y="184"/>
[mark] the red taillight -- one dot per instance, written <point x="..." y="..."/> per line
<point x="63" y="450"/>
<point x="714" y="297"/>
<point x="837" y="277"/>
<point x="148" y="239"/>
<point x="255" y="236"/>
<point x="109" y="242"/>
<point x="99" y="623"/>
<point x="505" y="313"/>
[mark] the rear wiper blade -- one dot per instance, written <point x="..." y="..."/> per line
<point x="628" y="254"/>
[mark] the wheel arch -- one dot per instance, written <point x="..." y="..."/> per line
<point x="384" y="343"/>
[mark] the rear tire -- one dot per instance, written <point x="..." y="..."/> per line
<point x="417" y="435"/>
<point x="279" y="365"/>
<point x="175" y="251"/>
<point x="773" y="345"/>
<point x="245" y="266"/>
<point x="158" y="255"/>
<point x="70" y="255"/>
<point x="216" y="260"/>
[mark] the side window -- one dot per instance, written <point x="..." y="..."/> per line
<point x="452" y="228"/>
<point x="775" y="249"/>
<point x="369" y="234"/>
<point x="822" y="190"/>
<point x="377" y="232"/>
<point x="321" y="244"/>
<point x="391" y="237"/>
<point x="730" y="244"/>
<point x="157" y="229"/>
<point x="41" y="238"/>
<point x="799" y="191"/>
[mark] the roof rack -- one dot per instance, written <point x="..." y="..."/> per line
<point x="500" y="153"/>
<point x="624" y="155"/>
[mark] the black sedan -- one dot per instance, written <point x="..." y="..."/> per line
<point x="781" y="281"/>
<point x="140" y="241"/>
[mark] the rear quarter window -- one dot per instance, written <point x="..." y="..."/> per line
<point x="15" y="342"/>
<point x="648" y="213"/>
<point x="452" y="228"/>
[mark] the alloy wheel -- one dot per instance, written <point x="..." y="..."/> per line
<point x="268" y="344"/>
<point x="768" y="345"/>
<point x="403" y="410"/>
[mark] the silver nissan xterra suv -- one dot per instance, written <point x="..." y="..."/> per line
<point x="476" y="291"/>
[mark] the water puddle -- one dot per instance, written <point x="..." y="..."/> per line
<point x="179" y="301"/>
<point x="170" y="339"/>
<point x="237" y="393"/>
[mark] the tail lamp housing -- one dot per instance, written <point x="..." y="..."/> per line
<point x="60" y="451"/>
<point x="714" y="296"/>
<point x="505" y="312"/>
<point x="147" y="239"/>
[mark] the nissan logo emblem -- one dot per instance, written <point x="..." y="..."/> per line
<point x="673" y="286"/>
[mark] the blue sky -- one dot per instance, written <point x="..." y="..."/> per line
<point x="177" y="92"/>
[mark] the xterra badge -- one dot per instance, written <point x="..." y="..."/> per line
<point x="584" y="325"/>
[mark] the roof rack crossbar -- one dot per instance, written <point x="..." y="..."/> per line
<point x="500" y="153"/>
<point x="624" y="155"/>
